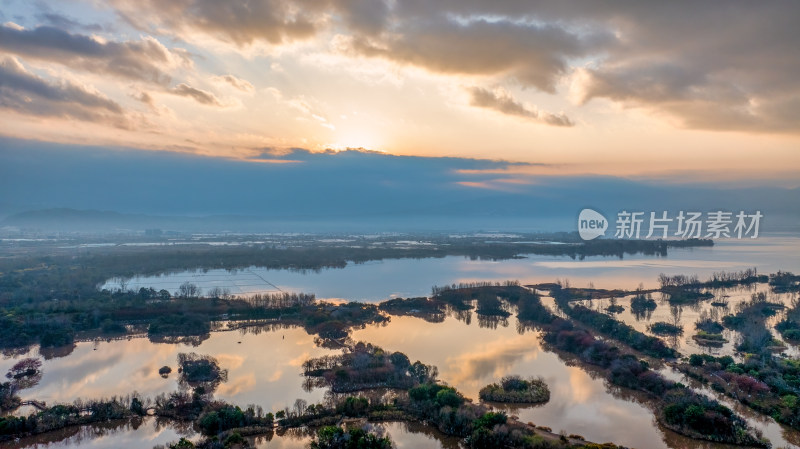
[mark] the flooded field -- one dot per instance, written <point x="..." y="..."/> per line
<point x="264" y="364"/>
<point x="264" y="367"/>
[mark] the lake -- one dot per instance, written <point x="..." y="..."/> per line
<point x="264" y="364"/>
<point x="265" y="368"/>
<point x="379" y="280"/>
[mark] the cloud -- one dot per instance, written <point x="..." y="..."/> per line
<point x="243" y="85"/>
<point x="730" y="66"/>
<point x="238" y="22"/>
<point x="531" y="54"/>
<point x="348" y="184"/>
<point x="201" y="96"/>
<point x="363" y="16"/>
<point x="26" y="93"/>
<point x="142" y="60"/>
<point x="63" y="22"/>
<point x="502" y="102"/>
<point x="145" y="98"/>
<point x="713" y="65"/>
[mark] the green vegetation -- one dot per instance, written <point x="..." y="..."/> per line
<point x="607" y="325"/>
<point x="784" y="282"/>
<point x="664" y="328"/>
<point x="614" y="308"/>
<point x="709" y="332"/>
<point x="789" y="327"/>
<point x="715" y="421"/>
<point x="643" y="306"/>
<point x="429" y="309"/>
<point x="707" y="339"/>
<point x="176" y="319"/>
<point x="42" y="273"/>
<point x="179" y="325"/>
<point x="761" y="381"/>
<point x="717" y="280"/>
<point x="766" y="383"/>
<point x="66" y="415"/>
<point x="332" y="437"/>
<point x="708" y="325"/>
<point x="363" y="366"/>
<point x="700" y="417"/>
<point x="8" y="397"/>
<point x="516" y="389"/>
<point x="686" y="295"/>
<point x="750" y="321"/>
<point x="683" y="289"/>
<point x="200" y="370"/>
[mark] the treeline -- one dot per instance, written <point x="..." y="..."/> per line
<point x="609" y="326"/>
<point x="225" y="425"/>
<point x="680" y="408"/>
<point x="515" y="389"/>
<point x="717" y="279"/>
<point x="438" y="290"/>
<point x="43" y="276"/>
<point x="750" y="322"/>
<point x="78" y="413"/>
<point x="763" y="382"/>
<point x="784" y="282"/>
<point x="61" y="323"/>
<point x="364" y="366"/>
<point x="283" y="300"/>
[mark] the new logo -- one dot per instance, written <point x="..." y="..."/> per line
<point x="591" y="224"/>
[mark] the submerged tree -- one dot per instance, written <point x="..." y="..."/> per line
<point x="332" y="437"/>
<point x="200" y="371"/>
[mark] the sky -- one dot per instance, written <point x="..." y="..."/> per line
<point x="349" y="190"/>
<point x="680" y="90"/>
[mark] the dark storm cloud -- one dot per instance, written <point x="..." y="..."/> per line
<point x="27" y="93"/>
<point x="505" y="104"/>
<point x="142" y="60"/>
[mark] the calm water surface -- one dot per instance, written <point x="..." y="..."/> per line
<point x="265" y="369"/>
<point x="379" y="280"/>
<point x="264" y="365"/>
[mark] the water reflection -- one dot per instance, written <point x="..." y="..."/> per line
<point x="379" y="280"/>
<point x="403" y="435"/>
<point x="724" y="302"/>
<point x="581" y="401"/>
<point x="264" y="366"/>
<point x="134" y="434"/>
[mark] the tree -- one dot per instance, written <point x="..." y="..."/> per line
<point x="188" y="290"/>
<point x="332" y="437"/>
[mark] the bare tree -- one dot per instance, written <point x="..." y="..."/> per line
<point x="188" y="290"/>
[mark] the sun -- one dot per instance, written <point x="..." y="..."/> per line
<point x="356" y="137"/>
